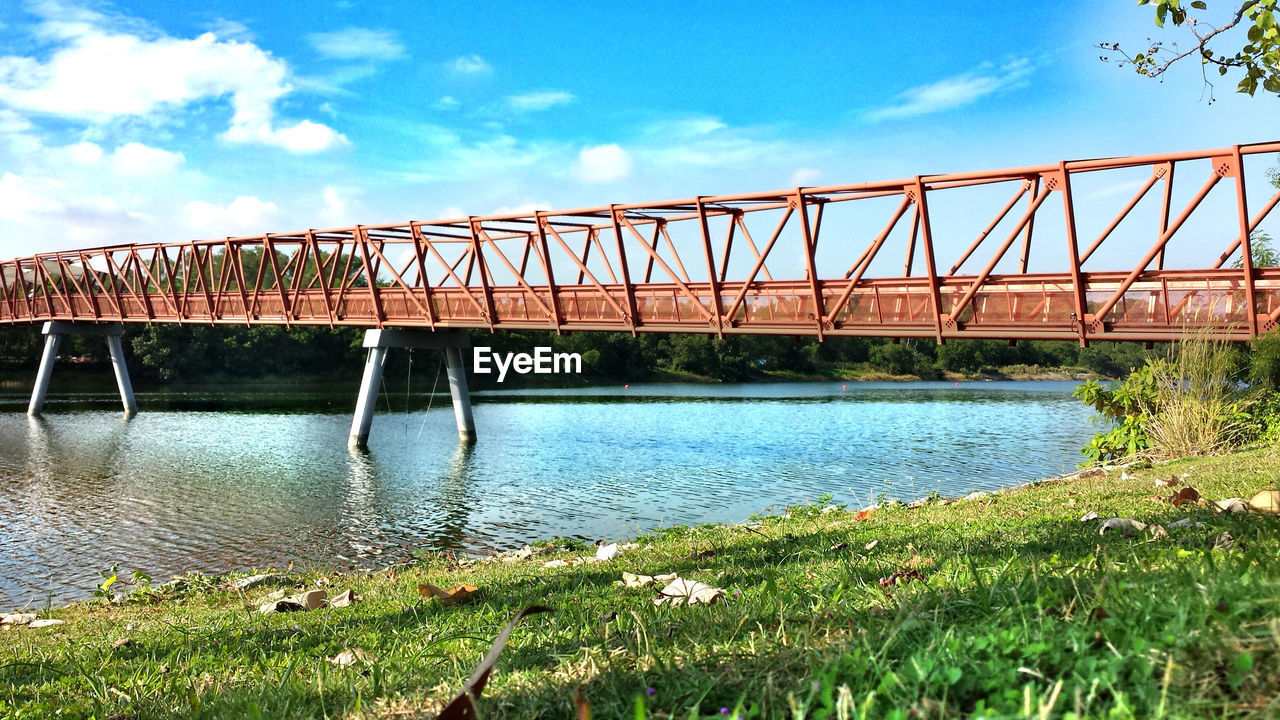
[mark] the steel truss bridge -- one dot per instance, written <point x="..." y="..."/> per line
<point x="816" y="261"/>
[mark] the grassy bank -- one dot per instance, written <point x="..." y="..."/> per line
<point x="1001" y="606"/>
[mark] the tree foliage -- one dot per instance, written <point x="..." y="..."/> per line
<point x="1251" y="35"/>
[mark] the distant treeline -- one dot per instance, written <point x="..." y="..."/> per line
<point x="195" y="353"/>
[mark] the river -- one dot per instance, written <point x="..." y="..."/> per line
<point x="176" y="489"/>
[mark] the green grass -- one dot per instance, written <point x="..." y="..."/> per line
<point x="1024" y="612"/>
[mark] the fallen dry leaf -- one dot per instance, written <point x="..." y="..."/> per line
<point x="1128" y="526"/>
<point x="343" y="599"/>
<point x="453" y="596"/>
<point x="1171" y="482"/>
<point x="605" y="553"/>
<point x="862" y="515"/>
<point x="303" y="601"/>
<point x="1186" y="523"/>
<point x="1158" y="533"/>
<point x="901" y="576"/>
<point x="1231" y="505"/>
<point x="917" y="560"/>
<point x="1224" y="542"/>
<point x="18" y="618"/>
<point x="1091" y="515"/>
<point x="871" y="545"/>
<point x="838" y="547"/>
<point x="1267" y="501"/>
<point x="688" y="592"/>
<point x="555" y="564"/>
<point x="353" y="656"/>
<point x="632" y="580"/>
<point x="1186" y="495"/>
<point x="122" y="642"/>
<point x="45" y="622"/>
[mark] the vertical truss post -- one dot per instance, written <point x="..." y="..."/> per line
<point x="811" y="271"/>
<point x="926" y="238"/>
<point x="1073" y="250"/>
<point x="632" y="308"/>
<point x="1166" y="202"/>
<point x="717" y="305"/>
<point x="1246" y="250"/>
<point x="557" y="316"/>
<point x="477" y="256"/>
<point x="1026" y="239"/>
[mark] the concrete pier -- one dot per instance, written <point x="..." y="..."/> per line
<point x="53" y="334"/>
<point x="378" y="342"/>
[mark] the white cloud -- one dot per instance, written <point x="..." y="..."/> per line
<point x="448" y="102"/>
<point x="24" y="200"/>
<point x="470" y="65"/>
<point x="138" y="159"/>
<point x="98" y="74"/>
<point x="603" y="163"/>
<point x="955" y="91"/>
<point x="355" y="43"/>
<point x="451" y="213"/>
<point x="305" y="137"/>
<point x="522" y="209"/>
<point x="535" y="101"/>
<point x="246" y="215"/>
<point x="230" y="30"/>
<point x="805" y="176"/>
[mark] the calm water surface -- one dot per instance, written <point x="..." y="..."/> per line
<point x="176" y="490"/>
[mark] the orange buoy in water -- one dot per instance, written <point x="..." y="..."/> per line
<point x="626" y="386"/>
<point x="844" y="387"/>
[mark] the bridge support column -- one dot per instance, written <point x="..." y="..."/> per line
<point x="53" y="334"/>
<point x="460" y="394"/>
<point x="452" y="343"/>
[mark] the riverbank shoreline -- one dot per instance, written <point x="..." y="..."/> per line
<point x="983" y="606"/>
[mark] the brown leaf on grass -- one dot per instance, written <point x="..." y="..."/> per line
<point x="1224" y="542"/>
<point x="1091" y="515"/>
<point x="862" y="515"/>
<point x="1098" y="614"/>
<point x="901" y="576"/>
<point x="584" y="707"/>
<point x="1186" y="495"/>
<point x="1171" y="482"/>
<point x="871" y="545"/>
<point x="918" y="560"/>
<point x="1267" y="501"/>
<point x="122" y="642"/>
<point x="1157" y="533"/>
<point x="838" y="547"/>
<point x="455" y="595"/>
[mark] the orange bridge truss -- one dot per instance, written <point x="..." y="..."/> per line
<point x="795" y="262"/>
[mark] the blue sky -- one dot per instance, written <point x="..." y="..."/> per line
<point x="127" y="122"/>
